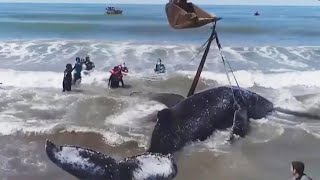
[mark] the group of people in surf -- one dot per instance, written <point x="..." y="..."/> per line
<point x="68" y="80"/>
<point x="115" y="78"/>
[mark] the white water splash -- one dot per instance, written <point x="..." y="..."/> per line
<point x="151" y="165"/>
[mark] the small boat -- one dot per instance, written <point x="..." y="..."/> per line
<point x="257" y="14"/>
<point x="112" y="10"/>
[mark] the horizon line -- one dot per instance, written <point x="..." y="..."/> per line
<point x="157" y="4"/>
<point x="153" y="4"/>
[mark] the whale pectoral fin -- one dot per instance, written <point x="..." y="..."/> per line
<point x="165" y="98"/>
<point x="240" y="123"/>
<point x="82" y="163"/>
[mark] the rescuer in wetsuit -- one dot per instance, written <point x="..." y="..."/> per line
<point x="67" y="78"/>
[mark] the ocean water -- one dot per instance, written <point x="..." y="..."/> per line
<point x="275" y="54"/>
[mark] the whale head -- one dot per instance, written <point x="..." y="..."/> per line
<point x="258" y="106"/>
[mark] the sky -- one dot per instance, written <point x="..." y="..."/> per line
<point x="222" y="2"/>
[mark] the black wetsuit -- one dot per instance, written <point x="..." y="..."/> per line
<point x="160" y="68"/>
<point x="67" y="80"/>
<point x="77" y="75"/>
<point x="121" y="82"/>
<point x="157" y="67"/>
<point x="114" y="82"/>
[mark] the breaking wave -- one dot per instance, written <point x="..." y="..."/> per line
<point x="31" y="73"/>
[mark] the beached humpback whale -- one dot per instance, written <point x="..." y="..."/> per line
<point x="88" y="164"/>
<point x="198" y="116"/>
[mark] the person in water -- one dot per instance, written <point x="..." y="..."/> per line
<point x="67" y="78"/>
<point x="297" y="169"/>
<point x="160" y="68"/>
<point x="123" y="68"/>
<point x="82" y="60"/>
<point x="78" y="68"/>
<point x="89" y="64"/>
<point x="116" y="77"/>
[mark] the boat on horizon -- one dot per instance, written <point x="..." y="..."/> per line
<point x="113" y="11"/>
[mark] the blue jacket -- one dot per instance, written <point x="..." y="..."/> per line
<point x="78" y="67"/>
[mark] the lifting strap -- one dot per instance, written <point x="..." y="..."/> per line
<point x="214" y="35"/>
<point x="203" y="60"/>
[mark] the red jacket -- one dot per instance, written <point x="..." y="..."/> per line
<point x="117" y="73"/>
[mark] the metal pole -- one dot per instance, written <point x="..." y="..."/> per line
<point x="204" y="57"/>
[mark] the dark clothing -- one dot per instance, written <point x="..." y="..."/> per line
<point x="78" y="67"/>
<point x="121" y="82"/>
<point x="114" y="81"/>
<point x="67" y="80"/>
<point x="157" y="67"/>
<point x="89" y="65"/>
<point x="76" y="76"/>
<point x="160" y="68"/>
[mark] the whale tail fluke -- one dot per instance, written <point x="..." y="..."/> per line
<point x="82" y="163"/>
<point x="50" y="148"/>
<point x="88" y="164"/>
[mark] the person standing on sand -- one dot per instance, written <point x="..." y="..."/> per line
<point x="297" y="169"/>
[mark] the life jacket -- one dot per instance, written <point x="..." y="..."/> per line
<point x="116" y="73"/>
